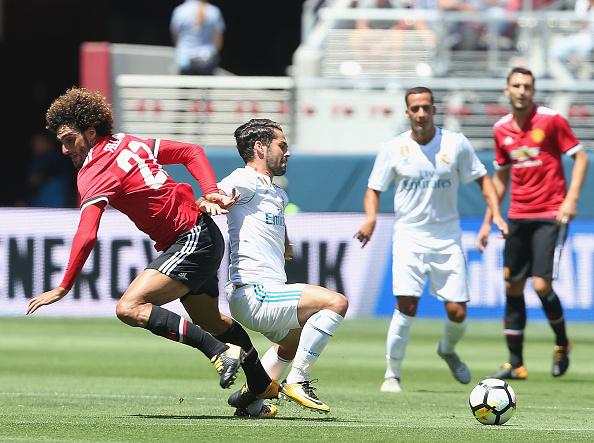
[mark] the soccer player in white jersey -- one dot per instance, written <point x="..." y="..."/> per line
<point x="299" y="318"/>
<point x="426" y="164"/>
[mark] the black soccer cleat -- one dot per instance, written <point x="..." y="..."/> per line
<point x="267" y="411"/>
<point x="560" y="360"/>
<point x="508" y="372"/>
<point x="243" y="397"/>
<point x="227" y="364"/>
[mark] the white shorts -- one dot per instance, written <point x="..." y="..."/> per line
<point x="270" y="309"/>
<point x="446" y="273"/>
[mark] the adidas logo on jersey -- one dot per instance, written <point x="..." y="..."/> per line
<point x="183" y="275"/>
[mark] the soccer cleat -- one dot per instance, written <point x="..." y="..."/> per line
<point x="227" y="364"/>
<point x="243" y="397"/>
<point x="560" y="360"/>
<point x="391" y="385"/>
<point x="507" y="372"/>
<point x="267" y="411"/>
<point x="303" y="393"/>
<point x="459" y="369"/>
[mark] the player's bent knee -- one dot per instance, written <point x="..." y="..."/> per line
<point x="541" y="286"/>
<point x="339" y="304"/>
<point x="127" y="313"/>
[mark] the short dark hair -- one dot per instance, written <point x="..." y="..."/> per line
<point x="520" y="70"/>
<point x="246" y="135"/>
<point x="417" y="90"/>
<point x="80" y="109"/>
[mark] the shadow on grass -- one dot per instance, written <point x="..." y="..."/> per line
<point x="226" y="417"/>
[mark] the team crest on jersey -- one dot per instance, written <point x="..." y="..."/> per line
<point x="443" y="158"/>
<point x="508" y="140"/>
<point x="537" y="135"/>
<point x="405" y="154"/>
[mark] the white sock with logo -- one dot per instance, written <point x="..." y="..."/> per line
<point x="396" y="342"/>
<point x="314" y="337"/>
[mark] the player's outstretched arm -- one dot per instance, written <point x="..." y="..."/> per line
<point x="82" y="244"/>
<point x="47" y="298"/>
<point x="568" y="208"/>
<point x="371" y="204"/>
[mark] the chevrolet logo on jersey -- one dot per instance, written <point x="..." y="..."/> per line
<point x="524" y="153"/>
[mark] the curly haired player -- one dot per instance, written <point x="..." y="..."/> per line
<point x="126" y="172"/>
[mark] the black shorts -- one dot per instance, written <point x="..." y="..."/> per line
<point x="530" y="248"/>
<point x="194" y="258"/>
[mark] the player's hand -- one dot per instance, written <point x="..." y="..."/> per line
<point x="501" y="225"/>
<point x="47" y="298"/>
<point x="567" y="210"/>
<point x="224" y="201"/>
<point x="482" y="239"/>
<point x="365" y="232"/>
<point x="210" y="208"/>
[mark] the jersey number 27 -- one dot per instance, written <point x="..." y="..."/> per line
<point x="128" y="157"/>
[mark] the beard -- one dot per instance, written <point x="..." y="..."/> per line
<point x="277" y="168"/>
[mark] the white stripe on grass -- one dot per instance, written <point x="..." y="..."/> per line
<point x="92" y="395"/>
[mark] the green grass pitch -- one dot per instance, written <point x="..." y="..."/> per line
<point x="81" y="380"/>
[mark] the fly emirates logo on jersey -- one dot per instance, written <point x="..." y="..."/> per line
<point x="427" y="180"/>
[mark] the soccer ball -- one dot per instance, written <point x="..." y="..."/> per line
<point x="492" y="401"/>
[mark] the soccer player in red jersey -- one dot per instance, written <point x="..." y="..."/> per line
<point x="529" y="143"/>
<point x="126" y="172"/>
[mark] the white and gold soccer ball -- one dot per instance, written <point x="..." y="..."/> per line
<point x="492" y="401"/>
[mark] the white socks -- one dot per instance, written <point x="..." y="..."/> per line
<point x="314" y="337"/>
<point x="452" y="333"/>
<point x="398" y="334"/>
<point x="275" y="366"/>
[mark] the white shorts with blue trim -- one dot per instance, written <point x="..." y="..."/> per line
<point x="270" y="309"/>
<point x="446" y="273"/>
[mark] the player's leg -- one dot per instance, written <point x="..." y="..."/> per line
<point x="320" y="311"/>
<point x="184" y="267"/>
<point x="408" y="282"/>
<point x="274" y="310"/>
<point x="203" y="309"/>
<point x="517" y="262"/>
<point x="397" y="340"/>
<point x="449" y="282"/>
<point x="545" y="238"/>
<point x="140" y="306"/>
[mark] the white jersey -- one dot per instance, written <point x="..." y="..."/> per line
<point x="256" y="224"/>
<point x="427" y="178"/>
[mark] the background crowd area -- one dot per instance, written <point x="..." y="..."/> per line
<point x="258" y="38"/>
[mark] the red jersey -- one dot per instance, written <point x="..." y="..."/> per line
<point x="125" y="172"/>
<point x="534" y="154"/>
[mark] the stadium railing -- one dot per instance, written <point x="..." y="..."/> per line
<point x="332" y="116"/>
